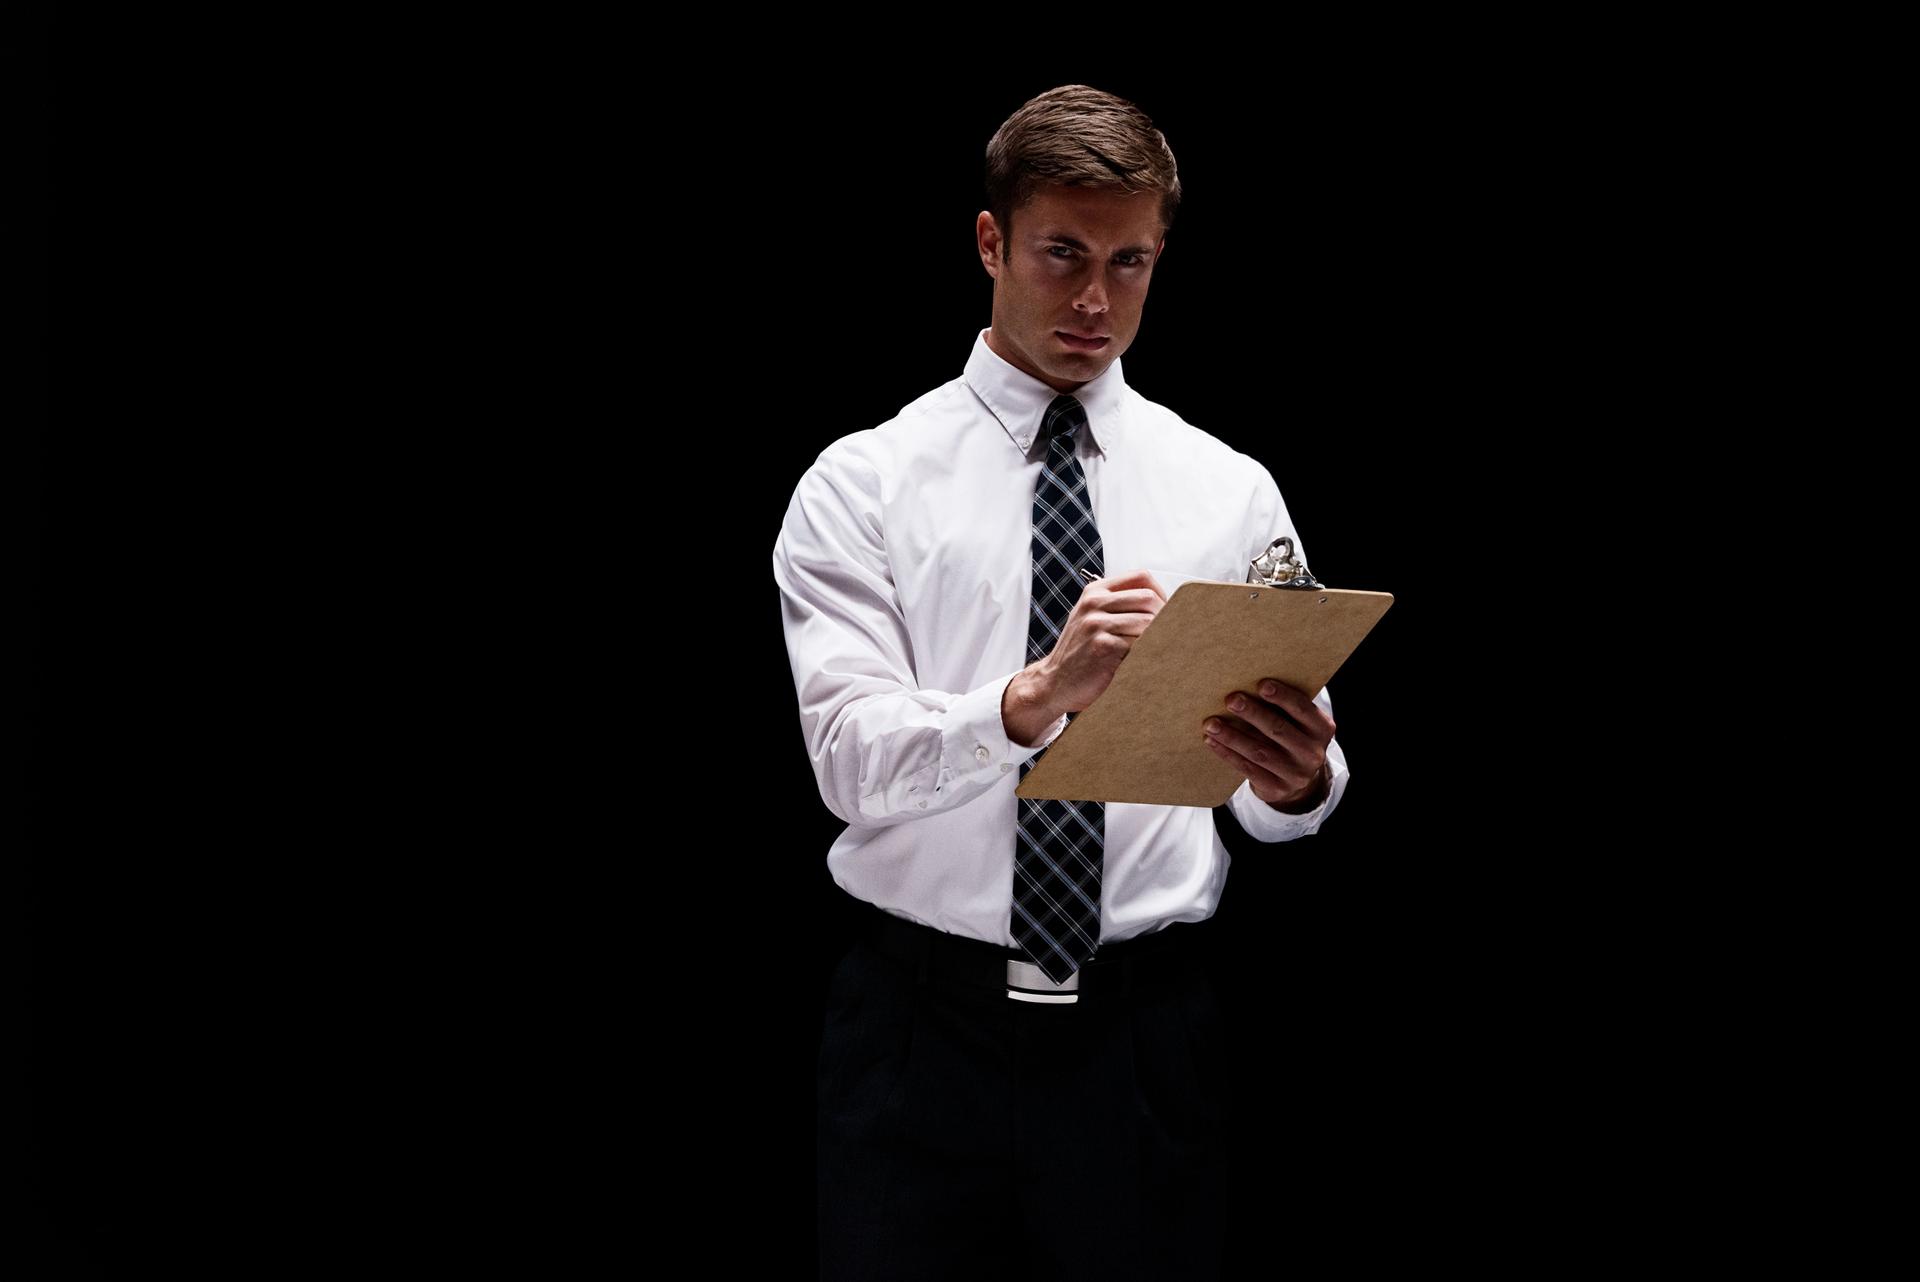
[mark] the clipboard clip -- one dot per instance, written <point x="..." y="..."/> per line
<point x="1281" y="569"/>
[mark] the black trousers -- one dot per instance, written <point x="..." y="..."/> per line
<point x="962" y="1133"/>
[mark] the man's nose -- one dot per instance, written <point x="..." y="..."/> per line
<point x="1094" y="297"/>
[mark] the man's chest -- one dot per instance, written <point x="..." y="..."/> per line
<point x="962" y="548"/>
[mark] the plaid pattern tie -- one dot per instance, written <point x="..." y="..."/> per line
<point x="1061" y="844"/>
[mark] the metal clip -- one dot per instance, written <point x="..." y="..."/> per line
<point x="1281" y="570"/>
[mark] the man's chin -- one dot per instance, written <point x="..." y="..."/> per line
<point x="1092" y="365"/>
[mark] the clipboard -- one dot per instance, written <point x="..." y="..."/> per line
<point x="1140" y="740"/>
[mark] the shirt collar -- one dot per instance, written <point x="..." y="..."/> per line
<point x="1019" y="400"/>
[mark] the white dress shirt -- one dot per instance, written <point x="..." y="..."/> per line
<point x="905" y="570"/>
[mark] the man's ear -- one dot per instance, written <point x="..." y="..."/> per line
<point x="986" y="236"/>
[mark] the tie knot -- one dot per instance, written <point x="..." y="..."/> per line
<point x="1065" y="417"/>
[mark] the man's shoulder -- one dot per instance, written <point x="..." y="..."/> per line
<point x="884" y="444"/>
<point x="1178" y="438"/>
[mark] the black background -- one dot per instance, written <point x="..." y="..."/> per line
<point x="425" y="844"/>
<point x="1358" y="298"/>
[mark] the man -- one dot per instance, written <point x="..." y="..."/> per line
<point x="1021" y="1064"/>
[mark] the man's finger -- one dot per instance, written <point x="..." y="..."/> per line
<point x="1299" y="705"/>
<point x="1132" y="601"/>
<point x="1135" y="579"/>
<point x="1262" y="776"/>
<point x="1256" y="747"/>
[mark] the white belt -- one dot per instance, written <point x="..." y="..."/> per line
<point x="1026" y="982"/>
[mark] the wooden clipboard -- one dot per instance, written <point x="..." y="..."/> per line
<point x="1140" y="740"/>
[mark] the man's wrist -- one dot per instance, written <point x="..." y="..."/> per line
<point x="1026" y="707"/>
<point x="1316" y="795"/>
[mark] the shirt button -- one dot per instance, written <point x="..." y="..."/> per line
<point x="923" y="805"/>
<point x="1005" y="766"/>
<point x="981" y="752"/>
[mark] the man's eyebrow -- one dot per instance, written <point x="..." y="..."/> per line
<point x="1065" y="239"/>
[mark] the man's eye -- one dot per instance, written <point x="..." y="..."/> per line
<point x="1128" y="260"/>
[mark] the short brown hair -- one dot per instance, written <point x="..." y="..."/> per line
<point x="1077" y="136"/>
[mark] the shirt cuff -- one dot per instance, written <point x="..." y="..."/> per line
<point x="1263" y="823"/>
<point x="977" y="742"/>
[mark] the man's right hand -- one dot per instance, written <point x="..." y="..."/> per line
<point x="1099" y="633"/>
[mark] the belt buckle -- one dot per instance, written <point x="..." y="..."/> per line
<point x="1026" y="982"/>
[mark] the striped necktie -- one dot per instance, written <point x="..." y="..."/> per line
<point x="1061" y="845"/>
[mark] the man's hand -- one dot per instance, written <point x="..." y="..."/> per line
<point x="1098" y="634"/>
<point x="1281" y="745"/>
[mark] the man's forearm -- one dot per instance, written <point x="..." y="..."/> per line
<point x="1027" y="707"/>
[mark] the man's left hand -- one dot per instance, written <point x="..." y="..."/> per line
<point x="1279" y="741"/>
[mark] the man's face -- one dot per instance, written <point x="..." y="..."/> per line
<point x="1081" y="259"/>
